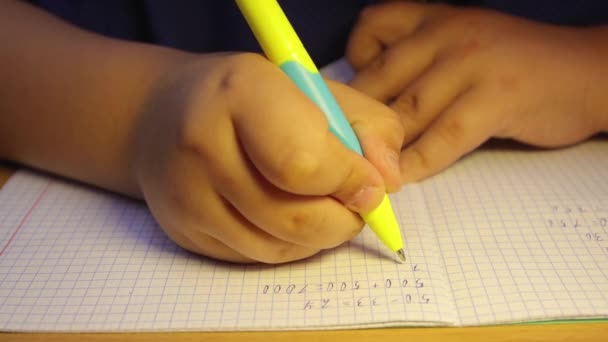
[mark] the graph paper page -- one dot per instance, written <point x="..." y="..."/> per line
<point x="524" y="234"/>
<point x="74" y="259"/>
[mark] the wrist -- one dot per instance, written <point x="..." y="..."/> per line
<point x="161" y="64"/>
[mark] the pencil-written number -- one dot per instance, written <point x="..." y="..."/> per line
<point x="343" y="286"/>
<point x="365" y="302"/>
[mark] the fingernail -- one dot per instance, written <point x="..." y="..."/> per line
<point x="363" y="200"/>
<point x="392" y="160"/>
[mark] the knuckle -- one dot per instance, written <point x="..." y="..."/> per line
<point x="305" y="223"/>
<point x="388" y="64"/>
<point x="189" y="141"/>
<point x="423" y="161"/>
<point x="451" y="132"/>
<point x="296" y="167"/>
<point x="408" y="104"/>
<point x="194" y="150"/>
<point x="308" y="225"/>
<point x="381" y="66"/>
<point x="239" y="71"/>
<point x="411" y="111"/>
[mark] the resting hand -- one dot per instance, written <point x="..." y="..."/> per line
<point x="460" y="76"/>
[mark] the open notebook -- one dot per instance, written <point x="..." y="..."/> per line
<point x="505" y="235"/>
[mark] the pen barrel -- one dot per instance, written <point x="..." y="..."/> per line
<point x="315" y="88"/>
<point x="383" y="222"/>
<point x="283" y="47"/>
<point x="274" y="32"/>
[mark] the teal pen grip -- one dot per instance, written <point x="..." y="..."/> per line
<point x="313" y="85"/>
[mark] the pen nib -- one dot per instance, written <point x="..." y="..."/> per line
<point x="401" y="255"/>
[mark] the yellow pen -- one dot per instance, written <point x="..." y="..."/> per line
<point x="283" y="47"/>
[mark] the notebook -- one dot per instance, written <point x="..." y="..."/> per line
<point x="506" y="235"/>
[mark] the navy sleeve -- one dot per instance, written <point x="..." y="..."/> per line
<point x="114" y="18"/>
<point x="323" y="25"/>
<point x="210" y="25"/>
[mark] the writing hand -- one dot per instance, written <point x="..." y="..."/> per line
<point x="237" y="164"/>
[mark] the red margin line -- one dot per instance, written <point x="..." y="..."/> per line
<point x="25" y="217"/>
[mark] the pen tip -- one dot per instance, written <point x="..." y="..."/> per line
<point x="401" y="254"/>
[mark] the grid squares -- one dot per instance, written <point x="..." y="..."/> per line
<point x="85" y="260"/>
<point x="516" y="230"/>
<point x="503" y="236"/>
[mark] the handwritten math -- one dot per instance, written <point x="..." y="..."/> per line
<point x="588" y="220"/>
<point x="358" y="293"/>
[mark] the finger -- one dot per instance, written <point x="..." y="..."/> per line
<point x="212" y="226"/>
<point x="378" y="129"/>
<point x="201" y="243"/>
<point x="288" y="140"/>
<point x="464" y="126"/>
<point x="397" y="67"/>
<point x="238" y="233"/>
<point x="189" y="209"/>
<point x="380" y="26"/>
<point x="316" y="222"/>
<point x="420" y="103"/>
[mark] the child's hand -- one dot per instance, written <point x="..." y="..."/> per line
<point x="460" y="76"/>
<point x="237" y="164"/>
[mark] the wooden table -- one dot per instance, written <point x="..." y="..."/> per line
<point x="548" y="332"/>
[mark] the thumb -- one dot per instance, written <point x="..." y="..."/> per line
<point x="379" y="130"/>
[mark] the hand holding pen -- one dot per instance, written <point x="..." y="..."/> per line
<point x="236" y="163"/>
<point x="283" y="47"/>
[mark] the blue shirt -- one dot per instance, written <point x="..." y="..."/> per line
<point x="323" y="25"/>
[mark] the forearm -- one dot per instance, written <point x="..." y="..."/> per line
<point x="596" y="101"/>
<point x="69" y="99"/>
